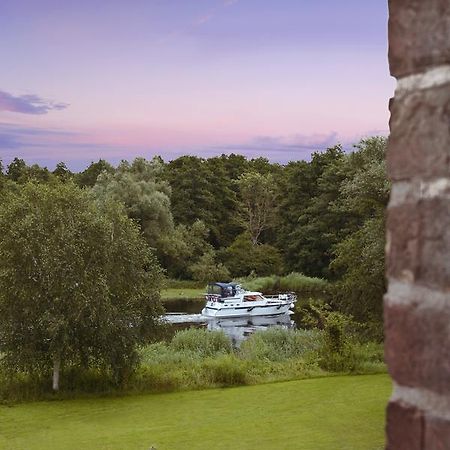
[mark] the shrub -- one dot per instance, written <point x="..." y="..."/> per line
<point x="242" y="257"/>
<point x="337" y="353"/>
<point x="201" y="341"/>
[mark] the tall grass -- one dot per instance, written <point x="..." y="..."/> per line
<point x="278" y="344"/>
<point x="294" y="282"/>
<point x="198" y="359"/>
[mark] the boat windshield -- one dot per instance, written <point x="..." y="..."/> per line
<point x="222" y="289"/>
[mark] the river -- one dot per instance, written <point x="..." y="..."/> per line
<point x="185" y="313"/>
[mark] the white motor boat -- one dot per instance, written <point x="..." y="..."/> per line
<point x="231" y="300"/>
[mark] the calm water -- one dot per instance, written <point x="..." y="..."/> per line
<point x="187" y="313"/>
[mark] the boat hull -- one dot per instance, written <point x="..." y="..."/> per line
<point x="245" y="311"/>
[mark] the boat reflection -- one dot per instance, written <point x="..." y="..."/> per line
<point x="239" y="328"/>
<point x="236" y="328"/>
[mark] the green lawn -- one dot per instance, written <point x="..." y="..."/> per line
<point x="177" y="293"/>
<point x="326" y="413"/>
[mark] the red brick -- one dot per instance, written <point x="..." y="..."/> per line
<point x="404" y="227"/>
<point x="437" y="433"/>
<point x="418" y="35"/>
<point x="404" y="427"/>
<point x="419" y="143"/>
<point x="417" y="344"/>
<point x="419" y="235"/>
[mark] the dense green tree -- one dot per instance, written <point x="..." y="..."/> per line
<point x="62" y="172"/>
<point x="243" y="258"/>
<point x="359" y="257"/>
<point x="145" y="195"/>
<point x="16" y="169"/>
<point x="183" y="247"/>
<point x="88" y="177"/>
<point x="78" y="284"/>
<point x="309" y="225"/>
<point x="207" y="269"/>
<point x="191" y="195"/>
<point x="258" y="199"/>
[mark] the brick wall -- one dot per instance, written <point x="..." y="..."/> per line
<point x="417" y="304"/>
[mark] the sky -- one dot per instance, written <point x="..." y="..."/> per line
<point x="88" y="79"/>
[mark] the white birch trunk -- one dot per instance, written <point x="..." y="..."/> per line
<point x="56" y="370"/>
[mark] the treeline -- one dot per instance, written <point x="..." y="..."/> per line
<point x="228" y="216"/>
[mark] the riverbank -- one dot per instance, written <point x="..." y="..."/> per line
<point x="326" y="413"/>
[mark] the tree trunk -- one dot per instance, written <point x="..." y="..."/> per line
<point x="56" y="369"/>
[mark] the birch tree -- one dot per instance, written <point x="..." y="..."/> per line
<point x="257" y="193"/>
<point x="78" y="284"/>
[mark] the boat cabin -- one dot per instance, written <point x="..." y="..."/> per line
<point x="222" y="290"/>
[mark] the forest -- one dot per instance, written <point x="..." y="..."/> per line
<point x="227" y="217"/>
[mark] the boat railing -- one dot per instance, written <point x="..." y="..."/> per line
<point x="289" y="296"/>
<point x="213" y="298"/>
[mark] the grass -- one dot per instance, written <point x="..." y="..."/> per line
<point x="182" y="293"/>
<point x="343" y="412"/>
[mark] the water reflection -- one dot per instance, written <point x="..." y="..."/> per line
<point x="236" y="328"/>
<point x="239" y="328"/>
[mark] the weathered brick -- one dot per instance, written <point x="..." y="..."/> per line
<point x="437" y="433"/>
<point x="419" y="143"/>
<point x="404" y="227"/>
<point x="417" y="344"/>
<point x="435" y="247"/>
<point x="419" y="236"/>
<point x="419" y="35"/>
<point x="404" y="427"/>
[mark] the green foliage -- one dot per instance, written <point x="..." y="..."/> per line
<point x="226" y="370"/>
<point x="359" y="257"/>
<point x="337" y="353"/>
<point x="16" y="169"/>
<point x="307" y="225"/>
<point x="243" y="258"/>
<point x="78" y="285"/>
<point x="88" y="177"/>
<point x="293" y="282"/>
<point x="257" y="196"/>
<point x="184" y="247"/>
<point x="139" y="187"/>
<point x="201" y="342"/>
<point x="207" y="269"/>
<point x="360" y="260"/>
<point x="278" y="344"/>
<point x="62" y="173"/>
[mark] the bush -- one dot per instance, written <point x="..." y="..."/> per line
<point x="206" y="269"/>
<point x="278" y="344"/>
<point x="243" y="258"/>
<point x="200" y="341"/>
<point x="338" y="353"/>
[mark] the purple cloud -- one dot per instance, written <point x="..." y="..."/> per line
<point x="28" y="104"/>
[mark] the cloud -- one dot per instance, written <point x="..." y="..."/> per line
<point x="28" y="104"/>
<point x="286" y="148"/>
<point x="198" y="22"/>
<point x="203" y="19"/>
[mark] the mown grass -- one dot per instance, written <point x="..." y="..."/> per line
<point x="317" y="414"/>
<point x="182" y="293"/>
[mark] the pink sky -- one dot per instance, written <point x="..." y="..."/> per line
<point x="262" y="78"/>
